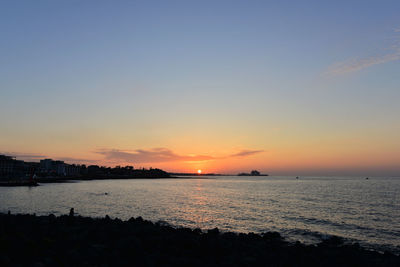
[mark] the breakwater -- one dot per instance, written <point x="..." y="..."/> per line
<point x="75" y="240"/>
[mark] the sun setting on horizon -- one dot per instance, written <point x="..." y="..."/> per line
<point x="200" y="133"/>
<point x="223" y="74"/>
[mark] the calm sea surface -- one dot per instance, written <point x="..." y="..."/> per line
<point x="308" y="209"/>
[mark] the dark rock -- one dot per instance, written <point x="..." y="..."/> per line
<point x="214" y="231"/>
<point x="26" y="240"/>
<point x="272" y="236"/>
<point x="332" y="241"/>
<point x="197" y="231"/>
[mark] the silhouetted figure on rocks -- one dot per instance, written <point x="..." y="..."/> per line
<point x="71" y="212"/>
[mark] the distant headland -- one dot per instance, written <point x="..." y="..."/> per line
<point x="15" y="172"/>
<point x="252" y="173"/>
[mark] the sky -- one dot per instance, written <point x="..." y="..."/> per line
<point x="284" y="87"/>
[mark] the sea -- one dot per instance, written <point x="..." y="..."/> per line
<point x="308" y="209"/>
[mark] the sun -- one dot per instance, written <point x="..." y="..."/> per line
<point x="198" y="171"/>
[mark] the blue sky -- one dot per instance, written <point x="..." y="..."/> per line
<point x="76" y="76"/>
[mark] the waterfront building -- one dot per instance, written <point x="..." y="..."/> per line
<point x="10" y="167"/>
<point x="46" y="165"/>
<point x="50" y="166"/>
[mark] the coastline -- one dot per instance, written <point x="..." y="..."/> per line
<point x="46" y="180"/>
<point x="75" y="240"/>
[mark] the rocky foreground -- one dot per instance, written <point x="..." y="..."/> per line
<point x="29" y="240"/>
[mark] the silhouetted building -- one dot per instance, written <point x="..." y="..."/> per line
<point x="59" y="167"/>
<point x="72" y="170"/>
<point x="10" y="167"/>
<point x="50" y="166"/>
<point x="93" y="169"/>
<point x="31" y="168"/>
<point x="46" y="165"/>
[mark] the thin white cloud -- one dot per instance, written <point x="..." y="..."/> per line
<point x="359" y="64"/>
<point x="355" y="65"/>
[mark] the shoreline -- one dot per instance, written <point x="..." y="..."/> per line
<point x="75" y="240"/>
<point x="47" y="180"/>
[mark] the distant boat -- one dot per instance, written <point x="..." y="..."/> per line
<point x="366" y="178"/>
<point x="297" y="177"/>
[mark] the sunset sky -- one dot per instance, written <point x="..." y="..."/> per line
<point x="287" y="88"/>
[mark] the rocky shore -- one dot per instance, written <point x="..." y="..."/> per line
<point x="68" y="240"/>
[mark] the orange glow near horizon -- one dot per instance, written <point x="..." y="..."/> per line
<point x="196" y="105"/>
<point x="303" y="156"/>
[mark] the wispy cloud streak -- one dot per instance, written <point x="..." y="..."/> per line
<point x="76" y="160"/>
<point x="162" y="155"/>
<point x="136" y="156"/>
<point x="245" y="153"/>
<point x="355" y="65"/>
<point x="359" y="64"/>
<point x="149" y="156"/>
